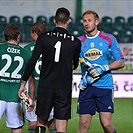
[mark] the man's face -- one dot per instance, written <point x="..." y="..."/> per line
<point x="89" y="23"/>
<point x="34" y="36"/>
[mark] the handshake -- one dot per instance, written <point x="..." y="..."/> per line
<point x="94" y="71"/>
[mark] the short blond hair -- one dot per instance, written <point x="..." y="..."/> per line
<point x="91" y="12"/>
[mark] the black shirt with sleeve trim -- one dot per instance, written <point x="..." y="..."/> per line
<point x="60" y="54"/>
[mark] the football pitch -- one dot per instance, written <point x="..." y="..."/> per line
<point x="122" y="118"/>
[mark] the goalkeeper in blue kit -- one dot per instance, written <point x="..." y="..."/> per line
<point x="100" y="53"/>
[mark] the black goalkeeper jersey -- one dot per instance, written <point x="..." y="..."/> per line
<point x="60" y="54"/>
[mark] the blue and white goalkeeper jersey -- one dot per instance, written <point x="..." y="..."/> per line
<point x="100" y="49"/>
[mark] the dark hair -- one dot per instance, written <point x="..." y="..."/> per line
<point x="11" y="32"/>
<point x="38" y="28"/>
<point x="62" y="15"/>
<point x="91" y="12"/>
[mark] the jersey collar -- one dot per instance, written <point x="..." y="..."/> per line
<point x="93" y="36"/>
<point x="59" y="29"/>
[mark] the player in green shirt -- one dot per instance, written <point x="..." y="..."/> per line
<point x="37" y="29"/>
<point x="13" y="60"/>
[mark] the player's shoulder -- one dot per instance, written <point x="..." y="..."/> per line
<point x="3" y="47"/>
<point x="8" y="46"/>
<point x="13" y="48"/>
<point x="105" y="35"/>
<point x="3" y="44"/>
<point x="23" y="50"/>
<point x="30" y="46"/>
<point x="108" y="37"/>
<point x="44" y="34"/>
<point x="73" y="38"/>
<point x="24" y="53"/>
<point x="82" y="38"/>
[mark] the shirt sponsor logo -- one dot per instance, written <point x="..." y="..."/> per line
<point x="93" y="54"/>
<point x="9" y="80"/>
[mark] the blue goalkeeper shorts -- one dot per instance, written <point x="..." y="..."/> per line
<point x="95" y="99"/>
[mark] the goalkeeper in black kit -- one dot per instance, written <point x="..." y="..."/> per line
<point x="60" y="55"/>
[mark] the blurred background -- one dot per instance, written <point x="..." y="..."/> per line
<point x="116" y="17"/>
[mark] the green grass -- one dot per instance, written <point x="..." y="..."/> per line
<point x="122" y="119"/>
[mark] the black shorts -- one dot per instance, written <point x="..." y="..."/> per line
<point x="59" y="99"/>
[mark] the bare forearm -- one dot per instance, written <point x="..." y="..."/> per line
<point x="32" y="86"/>
<point x="22" y="87"/>
<point x="116" y="65"/>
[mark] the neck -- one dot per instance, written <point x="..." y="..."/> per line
<point x="92" y="32"/>
<point x="62" y="25"/>
<point x="12" y="42"/>
<point x="91" y="35"/>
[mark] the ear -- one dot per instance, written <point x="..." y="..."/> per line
<point x="97" y="22"/>
<point x="18" y="37"/>
<point x="34" y="36"/>
<point x="68" y="21"/>
<point x="54" y="21"/>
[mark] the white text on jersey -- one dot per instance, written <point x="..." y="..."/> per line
<point x="13" y="50"/>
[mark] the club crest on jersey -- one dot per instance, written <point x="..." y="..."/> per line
<point x="92" y="45"/>
<point x="93" y="54"/>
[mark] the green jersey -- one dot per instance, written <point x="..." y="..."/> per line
<point x="36" y="72"/>
<point x="13" y="60"/>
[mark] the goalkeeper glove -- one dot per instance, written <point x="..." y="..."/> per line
<point x="26" y="98"/>
<point x="98" y="70"/>
<point x="86" y="80"/>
